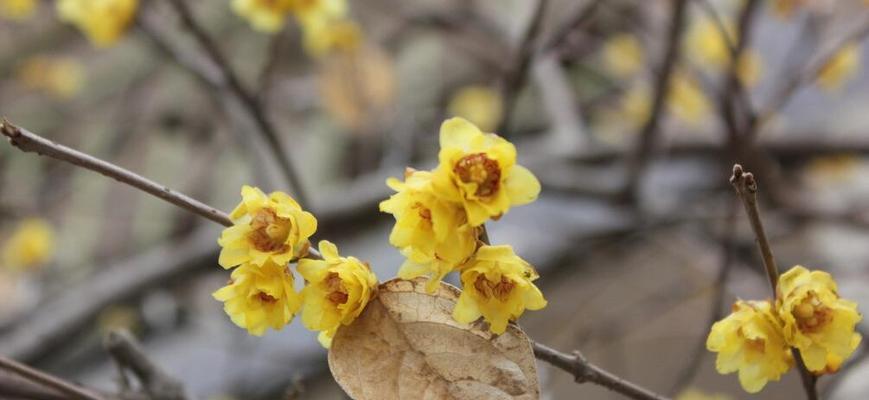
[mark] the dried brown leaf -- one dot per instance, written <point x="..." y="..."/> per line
<point x="406" y="345"/>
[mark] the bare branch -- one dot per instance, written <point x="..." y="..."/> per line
<point x="517" y="74"/>
<point x="127" y="353"/>
<point x="584" y="371"/>
<point x="30" y="142"/>
<point x="75" y="392"/>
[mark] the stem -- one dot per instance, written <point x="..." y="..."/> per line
<point x="746" y="189"/>
<point x="584" y="371"/>
<point x="47" y="380"/>
<point x="30" y="142"/>
<point x="516" y="75"/>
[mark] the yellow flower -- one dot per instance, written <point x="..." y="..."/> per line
<point x="686" y="99"/>
<point x="432" y="233"/>
<point x="750" y="340"/>
<point x="259" y="297"/>
<point x="785" y="8"/>
<point x="635" y="105"/>
<point x="750" y="68"/>
<point x="337" y="290"/>
<point x="61" y="77"/>
<point x="479" y="171"/>
<point x="102" y="21"/>
<point x="840" y="68"/>
<point x="497" y="285"/>
<point x="816" y="320"/>
<point x="326" y="35"/>
<point x="479" y="104"/>
<point x="307" y="11"/>
<point x="272" y="227"/>
<point x="623" y="55"/>
<point x="694" y="394"/>
<point x="17" y="9"/>
<point x="31" y="245"/>
<point x="264" y="15"/>
<point x="706" y="44"/>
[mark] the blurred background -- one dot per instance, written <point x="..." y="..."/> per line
<point x="637" y="234"/>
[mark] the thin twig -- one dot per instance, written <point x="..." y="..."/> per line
<point x="746" y="189"/>
<point x="517" y="74"/>
<point x="65" y="387"/>
<point x="249" y="103"/>
<point x="128" y="355"/>
<point x="734" y="93"/>
<point x="30" y="142"/>
<point x="579" y="19"/>
<point x="649" y="131"/>
<point x="584" y="371"/>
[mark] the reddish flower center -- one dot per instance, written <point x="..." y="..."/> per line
<point x="269" y="232"/>
<point x="500" y="290"/>
<point x="811" y="314"/>
<point x="482" y="170"/>
<point x="335" y="286"/>
<point x="266" y="298"/>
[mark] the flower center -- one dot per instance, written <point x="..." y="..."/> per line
<point x="266" y="298"/>
<point x="335" y="286"/>
<point x="811" y="314"/>
<point x="479" y="169"/>
<point x="488" y="289"/>
<point x="269" y="232"/>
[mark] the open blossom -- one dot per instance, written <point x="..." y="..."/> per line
<point x="259" y="297"/>
<point x="29" y="246"/>
<point x="17" y="9"/>
<point x="816" y="320"/>
<point x="266" y="228"/>
<point x="750" y="341"/>
<point x="481" y="105"/>
<point x="432" y="233"/>
<point x="623" y="55"/>
<point x="840" y="68"/>
<point x="479" y="171"/>
<point x="337" y="290"/>
<point x="102" y="21"/>
<point x="497" y="285"/>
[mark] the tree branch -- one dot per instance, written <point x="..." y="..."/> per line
<point x="517" y="74"/>
<point x="746" y="189"/>
<point x="75" y="392"/>
<point x="127" y="353"/>
<point x="584" y="371"/>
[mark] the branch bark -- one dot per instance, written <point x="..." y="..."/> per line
<point x="75" y="392"/>
<point x="127" y="353"/>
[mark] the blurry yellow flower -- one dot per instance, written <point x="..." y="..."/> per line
<point x="259" y="297"/>
<point x="58" y="76"/>
<point x="694" y="394"/>
<point x="432" y="233"/>
<point x="785" y="8"/>
<point x="686" y="99"/>
<point x="623" y="55"/>
<point x="264" y="15"/>
<point x="325" y="35"/>
<point x="479" y="171"/>
<point x="837" y="168"/>
<point x="17" y="9"/>
<point x="308" y="11"/>
<point x="337" y="290"/>
<point x="635" y="105"/>
<point x="481" y="105"/>
<point x="750" y="68"/>
<point x="31" y="245"/>
<point x="750" y="341"/>
<point x="497" y="285"/>
<point x="102" y="21"/>
<point x="272" y="227"/>
<point x="707" y="44"/>
<point x="358" y="88"/>
<point x="816" y="321"/>
<point x="840" y="68"/>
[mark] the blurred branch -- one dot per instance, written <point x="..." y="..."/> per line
<point x="583" y="371"/>
<point x="127" y="353"/>
<point x="649" y="133"/>
<point x="734" y="93"/>
<point x="29" y="142"/>
<point x="517" y="74"/>
<point x="74" y="391"/>
<point x="579" y="19"/>
<point x="746" y="189"/>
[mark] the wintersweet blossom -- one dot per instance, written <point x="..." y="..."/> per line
<point x="259" y="297"/>
<point x="337" y="291"/>
<point x="30" y="245"/>
<point x="479" y="171"/>
<point x="843" y="66"/>
<point x="816" y="320"/>
<point x="17" y="9"/>
<point x="498" y="286"/>
<point x="265" y="228"/>
<point x="102" y="21"/>
<point x="481" y="105"/>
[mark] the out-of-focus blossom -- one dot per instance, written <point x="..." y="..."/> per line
<point x="840" y="68"/>
<point x="481" y="105"/>
<point x="623" y="55"/>
<point x="264" y="15"/>
<point x="30" y="245"/>
<point x="60" y="77"/>
<point x="694" y="394"/>
<point x="357" y="88"/>
<point x="102" y="21"/>
<point x="325" y="36"/>
<point x="17" y="9"/>
<point x="686" y="99"/>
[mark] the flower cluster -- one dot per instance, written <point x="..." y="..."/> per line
<point x="807" y="315"/>
<point x="325" y="23"/>
<point x="102" y="21"/>
<point x="440" y="215"/>
<point x="269" y="232"/>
